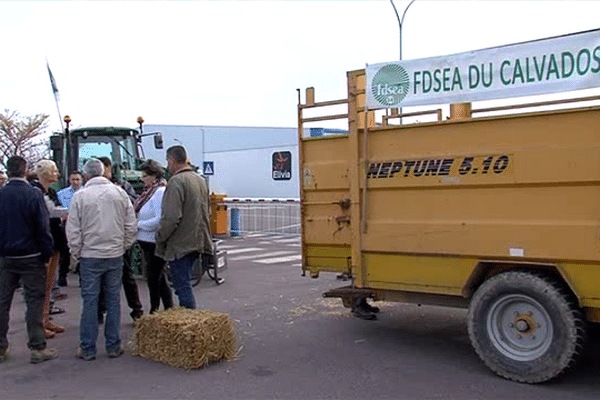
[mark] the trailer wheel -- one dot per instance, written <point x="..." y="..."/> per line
<point x="525" y="327"/>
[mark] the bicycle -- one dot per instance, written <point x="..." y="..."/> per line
<point x="207" y="263"/>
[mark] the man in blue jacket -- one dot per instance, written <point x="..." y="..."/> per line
<point x="25" y="247"/>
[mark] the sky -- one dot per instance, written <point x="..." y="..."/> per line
<point x="236" y="63"/>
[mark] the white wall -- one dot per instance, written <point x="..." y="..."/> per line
<point x="242" y="156"/>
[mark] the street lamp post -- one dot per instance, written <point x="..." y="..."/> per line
<point x="400" y="23"/>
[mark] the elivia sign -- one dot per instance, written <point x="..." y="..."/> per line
<point x="282" y="166"/>
<point x="558" y="64"/>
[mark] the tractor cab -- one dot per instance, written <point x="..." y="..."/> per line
<point x="71" y="149"/>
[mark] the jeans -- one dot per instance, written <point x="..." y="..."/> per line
<point x="108" y="273"/>
<point x="158" y="287"/>
<point x="181" y="274"/>
<point x="129" y="286"/>
<point x="32" y="273"/>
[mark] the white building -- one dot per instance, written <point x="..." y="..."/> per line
<point x="239" y="161"/>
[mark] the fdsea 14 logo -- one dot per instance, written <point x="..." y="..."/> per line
<point x="390" y="85"/>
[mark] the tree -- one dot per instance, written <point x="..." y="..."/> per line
<point x="22" y="136"/>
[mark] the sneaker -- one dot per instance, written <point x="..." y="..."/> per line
<point x="56" y="310"/>
<point x="116" y="353"/>
<point x="83" y="356"/>
<point x="365" y="304"/>
<point x="3" y="353"/>
<point x="362" y="313"/>
<point x="38" y="356"/>
<point x="136" y="314"/>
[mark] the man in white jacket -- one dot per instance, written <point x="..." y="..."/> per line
<point x="100" y="227"/>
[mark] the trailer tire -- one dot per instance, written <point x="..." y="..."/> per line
<point x="526" y="327"/>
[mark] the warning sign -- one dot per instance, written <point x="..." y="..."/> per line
<point x="208" y="167"/>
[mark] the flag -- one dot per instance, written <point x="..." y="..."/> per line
<point x="52" y="82"/>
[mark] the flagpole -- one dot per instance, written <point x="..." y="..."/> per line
<point x="55" y="93"/>
<point x="62" y="127"/>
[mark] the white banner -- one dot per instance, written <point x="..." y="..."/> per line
<point x="559" y="64"/>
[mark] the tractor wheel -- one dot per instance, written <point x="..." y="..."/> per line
<point x="526" y="327"/>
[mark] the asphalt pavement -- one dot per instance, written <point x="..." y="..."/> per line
<point x="292" y="344"/>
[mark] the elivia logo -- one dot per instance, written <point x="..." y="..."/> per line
<point x="390" y="85"/>
<point x="282" y="166"/>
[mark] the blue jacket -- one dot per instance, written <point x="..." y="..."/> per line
<point x="24" y="221"/>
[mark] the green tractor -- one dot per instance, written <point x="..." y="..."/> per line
<point x="72" y="148"/>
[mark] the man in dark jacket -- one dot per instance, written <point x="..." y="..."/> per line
<point x="184" y="230"/>
<point x="25" y="246"/>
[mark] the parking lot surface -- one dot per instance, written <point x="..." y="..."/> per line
<point x="292" y="344"/>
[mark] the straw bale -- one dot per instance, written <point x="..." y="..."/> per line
<point x="184" y="338"/>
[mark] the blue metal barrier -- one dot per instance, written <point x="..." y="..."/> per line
<point x="235" y="222"/>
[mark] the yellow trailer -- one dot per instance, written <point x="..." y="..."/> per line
<point x="500" y="214"/>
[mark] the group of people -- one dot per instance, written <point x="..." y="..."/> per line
<point x="102" y="221"/>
